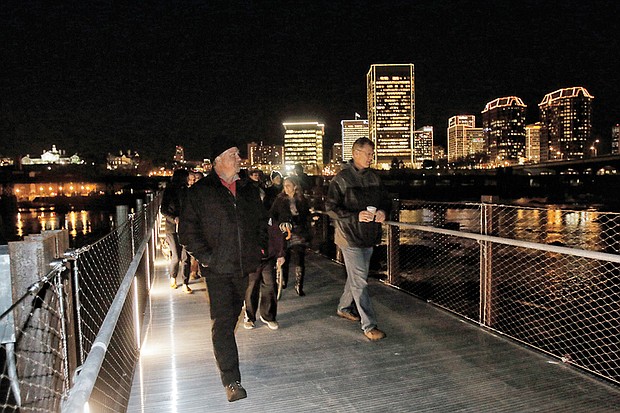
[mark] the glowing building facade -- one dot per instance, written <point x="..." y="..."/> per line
<point x="351" y="131"/>
<point x="303" y="143"/>
<point x="391" y="112"/>
<point x="566" y="115"/>
<point x="269" y="157"/>
<point x="615" y="139"/>
<point x="533" y="150"/>
<point x="464" y="139"/>
<point x="503" y="123"/>
<point x="422" y="145"/>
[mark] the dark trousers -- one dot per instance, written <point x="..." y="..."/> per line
<point x="262" y="288"/>
<point x="295" y="258"/>
<point x="179" y="260"/>
<point x="226" y="294"/>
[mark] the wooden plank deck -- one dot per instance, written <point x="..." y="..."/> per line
<point x="430" y="361"/>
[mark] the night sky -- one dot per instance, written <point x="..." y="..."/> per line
<point x="99" y="76"/>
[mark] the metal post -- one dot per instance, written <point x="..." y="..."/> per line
<point x="393" y="247"/>
<point x="486" y="266"/>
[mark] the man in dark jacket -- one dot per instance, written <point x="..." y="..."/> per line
<point x="357" y="202"/>
<point x="224" y="226"/>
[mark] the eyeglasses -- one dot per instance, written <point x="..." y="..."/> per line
<point x="369" y="154"/>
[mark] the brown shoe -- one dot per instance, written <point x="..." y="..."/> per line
<point x="348" y="315"/>
<point x="235" y="391"/>
<point x="374" y="334"/>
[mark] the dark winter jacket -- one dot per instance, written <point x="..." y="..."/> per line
<point x="281" y="212"/>
<point x="350" y="192"/>
<point x="171" y="204"/>
<point x="226" y="233"/>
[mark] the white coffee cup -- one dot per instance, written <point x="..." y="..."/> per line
<point x="371" y="209"/>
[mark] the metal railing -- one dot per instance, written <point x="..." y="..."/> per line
<point x="77" y="331"/>
<point x="546" y="277"/>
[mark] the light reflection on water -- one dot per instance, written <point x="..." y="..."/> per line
<point x="579" y="229"/>
<point x="79" y="224"/>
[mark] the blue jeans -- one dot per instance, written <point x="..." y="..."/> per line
<point x="355" y="296"/>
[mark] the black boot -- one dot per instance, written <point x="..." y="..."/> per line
<point x="299" y="281"/>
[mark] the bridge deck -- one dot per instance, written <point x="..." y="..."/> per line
<point x="430" y="361"/>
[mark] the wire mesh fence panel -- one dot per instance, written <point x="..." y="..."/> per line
<point x="113" y="386"/>
<point x="101" y="268"/>
<point x="565" y="305"/>
<point x="33" y="376"/>
<point x="442" y="269"/>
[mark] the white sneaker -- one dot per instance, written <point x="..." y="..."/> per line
<point x="248" y="325"/>
<point x="273" y="325"/>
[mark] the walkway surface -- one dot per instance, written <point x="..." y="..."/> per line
<point x="431" y="361"/>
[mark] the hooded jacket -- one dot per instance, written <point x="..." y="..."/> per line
<point x="228" y="234"/>
<point x="350" y="192"/>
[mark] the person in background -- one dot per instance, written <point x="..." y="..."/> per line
<point x="171" y="204"/>
<point x="291" y="207"/>
<point x="194" y="273"/>
<point x="255" y="176"/>
<point x="303" y="178"/>
<point x="224" y="225"/>
<point x="357" y="203"/>
<point x="273" y="190"/>
<point x="261" y="297"/>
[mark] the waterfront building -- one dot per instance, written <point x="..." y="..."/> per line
<point x="439" y="152"/>
<point x="391" y="112"/>
<point x="179" y="155"/>
<point x="464" y="138"/>
<point x="566" y="115"/>
<point x="615" y="139"/>
<point x="267" y="157"/>
<point x="351" y="131"/>
<point x="422" y="145"/>
<point x="533" y="149"/>
<point x="122" y="161"/>
<point x="336" y="154"/>
<point x="303" y="143"/>
<point x="53" y="156"/>
<point x="503" y="123"/>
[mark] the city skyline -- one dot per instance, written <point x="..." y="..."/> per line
<point x="95" y="78"/>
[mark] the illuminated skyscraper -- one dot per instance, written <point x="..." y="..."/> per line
<point x="533" y="150"/>
<point x="391" y="112"/>
<point x="503" y="123"/>
<point x="464" y="139"/>
<point x="303" y="143"/>
<point x="566" y="115"/>
<point x="422" y="145"/>
<point x="265" y="156"/>
<point x="351" y="131"/>
<point x="179" y="154"/>
<point x="615" y="139"/>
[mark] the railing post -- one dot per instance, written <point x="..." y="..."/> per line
<point x="486" y="265"/>
<point x="393" y="247"/>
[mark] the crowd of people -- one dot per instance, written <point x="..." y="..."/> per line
<point x="237" y="231"/>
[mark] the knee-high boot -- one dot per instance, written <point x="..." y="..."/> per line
<point x="299" y="281"/>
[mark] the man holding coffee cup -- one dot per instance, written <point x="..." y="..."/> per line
<point x="357" y="202"/>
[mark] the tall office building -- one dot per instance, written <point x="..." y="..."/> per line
<point x="615" y="139"/>
<point x="464" y="139"/>
<point x="351" y="131"/>
<point x="566" y="115"/>
<point x="303" y="143"/>
<point x="422" y="145"/>
<point x="265" y="156"/>
<point x="503" y="123"/>
<point x="391" y="112"/>
<point x="533" y="150"/>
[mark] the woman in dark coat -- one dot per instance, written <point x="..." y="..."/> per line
<point x="291" y="209"/>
